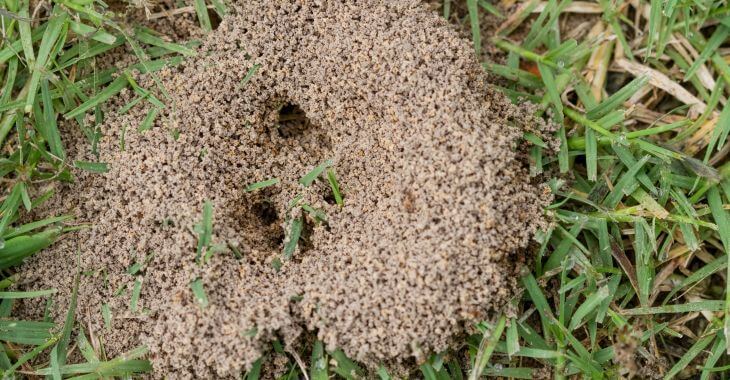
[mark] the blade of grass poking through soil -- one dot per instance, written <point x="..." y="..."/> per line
<point x="32" y="294"/>
<point x="319" y="363"/>
<point x="60" y="351"/>
<point x="205" y="231"/>
<point x="251" y="72"/>
<point x="295" y="231"/>
<point x="262" y="184"/>
<point x="201" y="9"/>
<point x="96" y="167"/>
<point x="486" y="347"/>
<point x="148" y="121"/>
<point x="199" y="293"/>
<point x="345" y="367"/>
<point x="146" y="36"/>
<point x="335" y="186"/>
<point x="383" y="373"/>
<point x="312" y="175"/>
<point x="85" y="347"/>
<point x="136" y="290"/>
<point x="106" y="314"/>
<point x="255" y="372"/>
<point x="476" y="33"/>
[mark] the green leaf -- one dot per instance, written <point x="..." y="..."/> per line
<point x="679" y="308"/>
<point x="106" y="314"/>
<point x="136" y="290"/>
<point x="312" y="175"/>
<point x="617" y="99"/>
<point x="26" y="332"/>
<point x="146" y="36"/>
<point x="512" y="338"/>
<point x="31" y="294"/>
<point x="706" y="271"/>
<point x="201" y="10"/>
<point x="21" y="247"/>
<point x="96" y="34"/>
<point x="26" y="36"/>
<point x="96" y="167"/>
<point x="295" y="231"/>
<point x="255" y="371"/>
<point x="205" y="232"/>
<point x="51" y="34"/>
<point x="60" y="351"/>
<point x="588" y="306"/>
<point x="52" y="135"/>
<point x="476" y="33"/>
<point x="125" y="364"/>
<point x="114" y="88"/>
<point x="319" y="363"/>
<point x="146" y="124"/>
<point x="10" y="206"/>
<point x="346" y="367"/>
<point x="251" y="72"/>
<point x="262" y="184"/>
<point x="486" y="347"/>
<point x="335" y="186"/>
<point x="718" y="38"/>
<point x="199" y="293"/>
<point x="692" y="353"/>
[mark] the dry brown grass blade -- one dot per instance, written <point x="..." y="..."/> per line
<point x="597" y="67"/>
<point x="640" y="113"/>
<point x="625" y="264"/>
<point x="700" y="138"/>
<point x="716" y="159"/>
<point x="659" y="280"/>
<point x="677" y="251"/>
<point x="516" y="18"/>
<point x="688" y="52"/>
<point x="659" y="80"/>
<point x="583" y="7"/>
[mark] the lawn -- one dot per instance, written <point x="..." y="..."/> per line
<point x="629" y="281"/>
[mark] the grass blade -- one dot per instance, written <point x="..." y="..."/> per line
<point x="486" y="347"/>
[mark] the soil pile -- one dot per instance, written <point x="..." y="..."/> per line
<point x="437" y="199"/>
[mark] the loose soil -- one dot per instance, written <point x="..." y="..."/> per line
<point x="438" y="199"/>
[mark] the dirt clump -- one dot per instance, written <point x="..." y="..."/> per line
<point x="437" y="198"/>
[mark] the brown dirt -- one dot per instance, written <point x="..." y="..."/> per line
<point x="438" y="198"/>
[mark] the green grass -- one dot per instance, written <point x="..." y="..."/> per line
<point x="47" y="76"/>
<point x="632" y="274"/>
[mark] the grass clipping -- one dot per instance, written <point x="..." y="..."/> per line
<point x="216" y="230"/>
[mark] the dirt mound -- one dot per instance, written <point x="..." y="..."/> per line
<point x="437" y="199"/>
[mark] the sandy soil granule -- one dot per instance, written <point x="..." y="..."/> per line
<point x="438" y="200"/>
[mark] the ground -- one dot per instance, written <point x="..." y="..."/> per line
<point x="629" y="281"/>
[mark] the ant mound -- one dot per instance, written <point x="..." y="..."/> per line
<point x="185" y="257"/>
